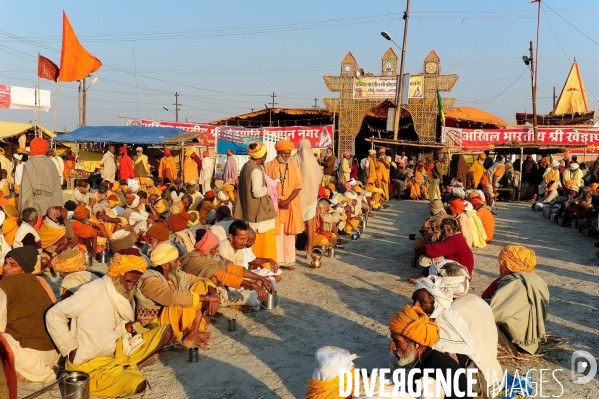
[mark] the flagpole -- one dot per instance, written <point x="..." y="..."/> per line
<point x="35" y="112"/>
<point x="55" y="105"/>
<point x="39" y="100"/>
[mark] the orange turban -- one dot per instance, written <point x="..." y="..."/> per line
<point x="81" y="213"/>
<point x="210" y="194"/>
<point x="38" y="146"/>
<point x="284" y="145"/>
<point x="69" y="261"/>
<point x="121" y="264"/>
<point x="568" y="184"/>
<point x="332" y="187"/>
<point x="457" y="206"/>
<point x="178" y="221"/>
<point x="594" y="186"/>
<point x="256" y="149"/>
<point x="516" y="259"/>
<point x="476" y="201"/>
<point x="414" y="324"/>
<point x="159" y="231"/>
<point x="482" y="156"/>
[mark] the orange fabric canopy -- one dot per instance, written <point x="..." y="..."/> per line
<point x="475" y="115"/>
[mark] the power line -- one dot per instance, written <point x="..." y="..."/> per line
<point x="568" y="22"/>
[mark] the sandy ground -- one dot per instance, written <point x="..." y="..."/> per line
<point x="348" y="303"/>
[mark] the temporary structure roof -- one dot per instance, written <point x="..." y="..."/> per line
<point x="11" y="129"/>
<point x="475" y="115"/>
<point x="120" y="134"/>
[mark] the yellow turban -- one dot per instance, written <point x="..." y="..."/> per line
<point x="189" y="153"/>
<point x="515" y="259"/>
<point x="331" y="186"/>
<point x="69" y="261"/>
<point x="163" y="254"/>
<point x="228" y="187"/>
<point x="482" y="156"/>
<point x="284" y="145"/>
<point x="121" y="264"/>
<point x="414" y="324"/>
<point x="190" y="223"/>
<point x="358" y="190"/>
<point x="256" y="149"/>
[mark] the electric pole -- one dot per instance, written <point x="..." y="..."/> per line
<point x="271" y="109"/>
<point x="534" y="95"/>
<point x="316" y="103"/>
<point x="176" y="104"/>
<point x="83" y="103"/>
<point x="406" y="15"/>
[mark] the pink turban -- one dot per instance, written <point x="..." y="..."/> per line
<point x="208" y="241"/>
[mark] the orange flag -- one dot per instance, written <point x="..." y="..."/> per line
<point x="75" y="62"/>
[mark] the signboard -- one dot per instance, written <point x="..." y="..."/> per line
<point x="384" y="87"/>
<point x="416" y="88"/>
<point x="14" y="97"/>
<point x="375" y="87"/>
<point x="206" y="133"/>
<point x="483" y="139"/>
<point x="4" y="97"/>
<point x="319" y="136"/>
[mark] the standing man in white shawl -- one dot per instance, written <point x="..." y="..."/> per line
<point x="58" y="162"/>
<point x="478" y="316"/>
<point x="455" y="338"/>
<point x="311" y="175"/>
<point x="108" y="165"/>
<point x="206" y="172"/>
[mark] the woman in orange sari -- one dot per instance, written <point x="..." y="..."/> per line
<point x="418" y="185"/>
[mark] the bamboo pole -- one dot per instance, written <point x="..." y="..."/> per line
<point x="55" y="106"/>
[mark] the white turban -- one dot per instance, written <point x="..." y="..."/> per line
<point x="223" y="196"/>
<point x="459" y="285"/>
<point x="468" y="207"/>
<point x="435" y="286"/>
<point x="133" y="185"/>
<point x="574" y="166"/>
<point x="555" y="164"/>
<point x="135" y="202"/>
<point x="18" y="157"/>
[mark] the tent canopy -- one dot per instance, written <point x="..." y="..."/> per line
<point x="11" y="129"/>
<point x="475" y="115"/>
<point x="120" y="134"/>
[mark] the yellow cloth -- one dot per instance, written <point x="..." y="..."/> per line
<point x="256" y="149"/>
<point x="190" y="170"/>
<point x="205" y="209"/>
<point x="479" y="235"/>
<point x="328" y="389"/>
<point x="265" y="246"/>
<point x="229" y="189"/>
<point x="552" y="175"/>
<point x="515" y="259"/>
<point x="477" y="172"/>
<point x="74" y="263"/>
<point x="9" y="229"/>
<point x="121" y="264"/>
<point x="117" y="375"/>
<point x="90" y="160"/>
<point x="49" y="235"/>
<point x="181" y="318"/>
<point x="167" y="168"/>
<point x="413" y="323"/>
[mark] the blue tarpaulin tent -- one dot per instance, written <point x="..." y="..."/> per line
<point x="119" y="134"/>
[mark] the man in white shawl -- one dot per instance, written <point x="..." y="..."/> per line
<point x="108" y="165"/>
<point x="58" y="162"/>
<point x="478" y="316"/>
<point x="455" y="338"/>
<point x="311" y="177"/>
<point x="99" y="339"/>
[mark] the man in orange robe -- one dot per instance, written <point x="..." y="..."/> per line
<point x="289" y="183"/>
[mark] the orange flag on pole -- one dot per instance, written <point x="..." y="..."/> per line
<point x="75" y="61"/>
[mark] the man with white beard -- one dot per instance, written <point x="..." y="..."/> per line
<point x="412" y="336"/>
<point x="94" y="330"/>
<point x="167" y="295"/>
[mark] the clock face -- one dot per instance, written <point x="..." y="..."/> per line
<point x="431" y="68"/>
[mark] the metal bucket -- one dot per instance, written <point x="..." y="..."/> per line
<point x="271" y="301"/>
<point x="102" y="257"/>
<point x="76" y="385"/>
<point x="89" y="259"/>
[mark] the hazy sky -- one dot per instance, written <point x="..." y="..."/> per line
<point x="225" y="58"/>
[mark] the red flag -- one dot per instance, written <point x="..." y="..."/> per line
<point x="75" y="61"/>
<point x="46" y="69"/>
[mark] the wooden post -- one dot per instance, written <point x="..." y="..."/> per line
<point x="55" y="105"/>
<point x="520" y="181"/>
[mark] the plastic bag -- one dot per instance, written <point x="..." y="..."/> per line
<point x="519" y="388"/>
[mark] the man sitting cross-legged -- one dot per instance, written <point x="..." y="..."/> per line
<point x="167" y="295"/>
<point x="24" y="298"/>
<point x="100" y="339"/>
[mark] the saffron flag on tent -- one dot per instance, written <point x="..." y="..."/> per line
<point x="440" y="106"/>
<point x="46" y="69"/>
<point x="75" y="61"/>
